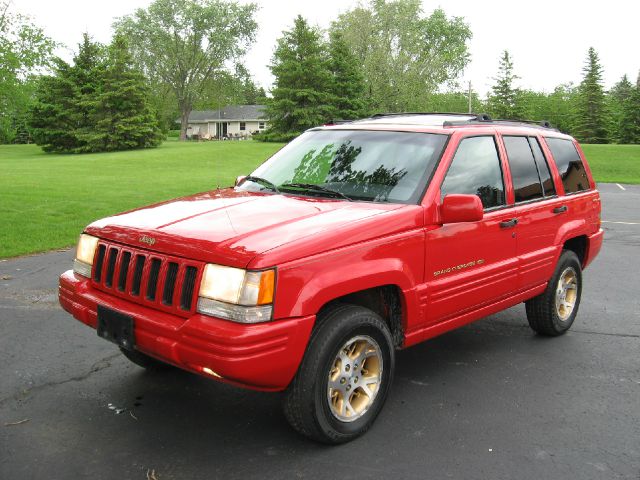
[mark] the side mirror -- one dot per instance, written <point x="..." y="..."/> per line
<point x="239" y="180"/>
<point x="461" y="208"/>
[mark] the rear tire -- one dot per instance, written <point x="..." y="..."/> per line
<point x="144" y="361"/>
<point x="552" y="313"/>
<point x="344" y="377"/>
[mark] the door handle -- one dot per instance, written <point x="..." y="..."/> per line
<point x="509" y="223"/>
<point x="561" y="209"/>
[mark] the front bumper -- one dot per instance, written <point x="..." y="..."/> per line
<point x="261" y="356"/>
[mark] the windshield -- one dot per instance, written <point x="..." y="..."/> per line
<point x="359" y="165"/>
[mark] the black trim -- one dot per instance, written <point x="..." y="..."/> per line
<point x="535" y="164"/>
<point x="124" y="270"/>
<point x="137" y="275"/>
<point x="152" y="283"/>
<point x="453" y="157"/>
<point x="97" y="269"/>
<point x="434" y="169"/>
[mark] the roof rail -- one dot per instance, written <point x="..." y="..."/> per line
<point x="340" y="121"/>
<point x="484" y="118"/>
<point x="471" y="119"/>
<point x="396" y="114"/>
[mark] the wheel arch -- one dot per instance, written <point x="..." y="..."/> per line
<point x="577" y="245"/>
<point x="385" y="300"/>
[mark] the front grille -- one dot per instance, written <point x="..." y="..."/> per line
<point x="148" y="278"/>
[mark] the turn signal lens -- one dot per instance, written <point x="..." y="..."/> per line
<point x="267" y="286"/>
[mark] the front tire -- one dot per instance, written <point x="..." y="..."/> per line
<point x="344" y="377"/>
<point x="552" y="313"/>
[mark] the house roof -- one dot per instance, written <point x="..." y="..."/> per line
<point x="230" y="112"/>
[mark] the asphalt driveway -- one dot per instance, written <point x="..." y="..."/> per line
<point x="488" y="401"/>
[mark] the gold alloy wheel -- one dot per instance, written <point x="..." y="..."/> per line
<point x="354" y="378"/>
<point x="566" y="293"/>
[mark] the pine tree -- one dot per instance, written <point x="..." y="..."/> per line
<point x="121" y="115"/>
<point x="100" y="103"/>
<point x="632" y="113"/>
<point x="504" y="100"/>
<point x="61" y="115"/>
<point x="347" y="84"/>
<point x="591" y="120"/>
<point x="301" y="94"/>
<point x="621" y="130"/>
<point x="53" y="118"/>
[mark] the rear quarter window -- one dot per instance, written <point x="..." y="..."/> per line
<point x="570" y="166"/>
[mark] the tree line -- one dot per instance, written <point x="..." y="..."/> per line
<point x="586" y="111"/>
<point x="181" y="55"/>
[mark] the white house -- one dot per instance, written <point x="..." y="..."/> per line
<point x="233" y="121"/>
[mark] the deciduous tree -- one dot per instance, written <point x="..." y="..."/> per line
<point x="405" y="55"/>
<point x="185" y="43"/>
<point x="24" y="51"/>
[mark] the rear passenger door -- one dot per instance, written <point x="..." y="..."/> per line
<point x="537" y="209"/>
<point x="469" y="265"/>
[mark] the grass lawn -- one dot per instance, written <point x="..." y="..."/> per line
<point x="46" y="200"/>
<point x="614" y="163"/>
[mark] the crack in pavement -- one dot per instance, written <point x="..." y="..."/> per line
<point x="625" y="335"/>
<point x="98" y="366"/>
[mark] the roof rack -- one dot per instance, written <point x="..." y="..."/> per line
<point x="484" y="118"/>
<point x="466" y="119"/>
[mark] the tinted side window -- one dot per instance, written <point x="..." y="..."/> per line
<point x="524" y="172"/>
<point x="475" y="170"/>
<point x="543" y="168"/>
<point x="570" y="167"/>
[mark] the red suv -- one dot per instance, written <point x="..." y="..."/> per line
<point x="351" y="242"/>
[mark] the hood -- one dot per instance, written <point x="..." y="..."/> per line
<point x="232" y="228"/>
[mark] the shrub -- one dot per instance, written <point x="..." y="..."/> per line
<point x="275" y="137"/>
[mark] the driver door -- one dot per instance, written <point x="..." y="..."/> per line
<point x="469" y="265"/>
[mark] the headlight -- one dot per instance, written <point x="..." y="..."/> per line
<point x="84" y="255"/>
<point x="236" y="294"/>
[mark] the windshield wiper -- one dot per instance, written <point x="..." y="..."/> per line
<point x="316" y="188"/>
<point x="262" y="181"/>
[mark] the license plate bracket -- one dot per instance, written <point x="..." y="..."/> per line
<point x="116" y="327"/>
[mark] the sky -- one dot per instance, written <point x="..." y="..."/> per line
<point x="547" y="39"/>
